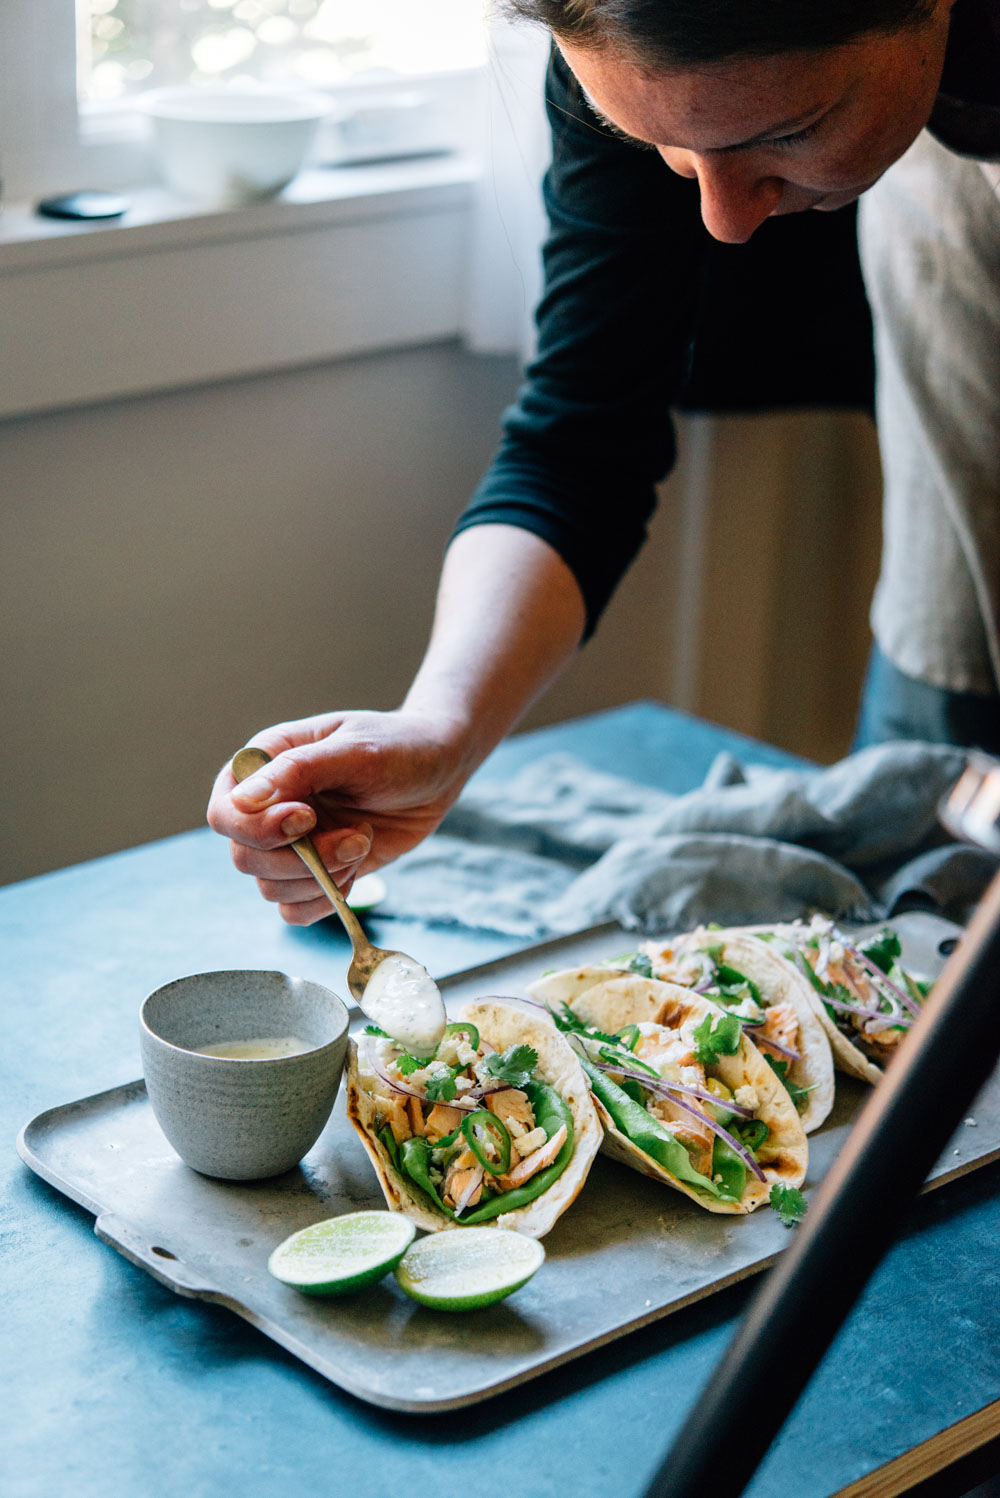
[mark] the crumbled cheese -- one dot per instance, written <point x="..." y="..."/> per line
<point x="747" y="1097"/>
<point x="463" y="1084"/>
<point x="455" y="1050"/>
<point x="528" y="1143"/>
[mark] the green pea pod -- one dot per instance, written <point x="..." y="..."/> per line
<point x="728" y="1165"/>
<point x="496" y="1134"/>
<point x="388" y="1141"/>
<point x="551" y="1112"/>
<point x="649" y="1135"/>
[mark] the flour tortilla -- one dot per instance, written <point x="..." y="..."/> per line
<point x="621" y="1001"/>
<point x="780" y="982"/>
<point x="501" y="1025"/>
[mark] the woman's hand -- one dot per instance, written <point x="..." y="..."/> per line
<point x="367" y="786"/>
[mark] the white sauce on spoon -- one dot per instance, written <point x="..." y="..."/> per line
<point x="403" y="1000"/>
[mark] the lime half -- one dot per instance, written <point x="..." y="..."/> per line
<point x="465" y="1268"/>
<point x="342" y="1253"/>
<point x="366" y="892"/>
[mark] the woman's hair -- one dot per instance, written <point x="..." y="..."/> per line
<point x="679" y="33"/>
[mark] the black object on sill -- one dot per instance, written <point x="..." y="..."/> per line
<point x="84" y="205"/>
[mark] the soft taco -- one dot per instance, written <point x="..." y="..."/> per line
<point x="684" y="1097"/>
<point x="773" y="1002"/>
<point x="498" y="1127"/>
<point x="866" y="1000"/>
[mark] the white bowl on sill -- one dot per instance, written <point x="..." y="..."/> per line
<point x="229" y="146"/>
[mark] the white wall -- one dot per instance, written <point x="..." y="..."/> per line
<point x="179" y="570"/>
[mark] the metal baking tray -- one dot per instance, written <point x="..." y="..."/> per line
<point x="628" y="1252"/>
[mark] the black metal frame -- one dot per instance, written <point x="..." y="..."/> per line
<point x="949" y="1054"/>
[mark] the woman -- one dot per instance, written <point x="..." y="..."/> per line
<point x="751" y="115"/>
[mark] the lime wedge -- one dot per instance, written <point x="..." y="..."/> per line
<point x="465" y="1268"/>
<point x="342" y="1253"/>
<point x="366" y="892"/>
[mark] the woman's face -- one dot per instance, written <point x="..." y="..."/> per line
<point x="779" y="134"/>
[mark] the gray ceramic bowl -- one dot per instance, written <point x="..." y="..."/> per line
<point x="242" y="1120"/>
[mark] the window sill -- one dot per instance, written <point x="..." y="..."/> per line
<point x="347" y="260"/>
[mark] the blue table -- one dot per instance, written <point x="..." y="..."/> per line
<point x="111" y="1384"/>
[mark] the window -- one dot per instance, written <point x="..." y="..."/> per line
<point x="127" y="45"/>
<point x="69" y="69"/>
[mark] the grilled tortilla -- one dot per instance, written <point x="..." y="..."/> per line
<point x="664" y="1139"/>
<point x="370" y="1104"/>
<point x="792" y="1018"/>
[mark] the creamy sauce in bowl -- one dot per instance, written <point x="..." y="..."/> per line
<point x="260" y="1048"/>
<point x="404" y="1001"/>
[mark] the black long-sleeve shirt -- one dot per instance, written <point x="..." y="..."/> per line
<point x="643" y="312"/>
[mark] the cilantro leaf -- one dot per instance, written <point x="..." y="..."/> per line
<point x="406" y="1064"/>
<point x="799" y="1095"/>
<point x="514" y="1065"/>
<point x="441" y="1089"/>
<point x="790" y="1205"/>
<point x="374" y="1030"/>
<point x="632" y="962"/>
<point x="566" y="1020"/>
<point x="572" y="1024"/>
<point x="722" y="1040"/>
<point x="883" y="949"/>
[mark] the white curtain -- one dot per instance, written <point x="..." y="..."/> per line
<point x="505" y="270"/>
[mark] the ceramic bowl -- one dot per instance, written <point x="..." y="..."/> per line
<point x="241" y="1120"/>
<point x="228" y="146"/>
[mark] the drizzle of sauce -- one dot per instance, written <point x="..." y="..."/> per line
<point x="260" y="1048"/>
<point x="403" y="1000"/>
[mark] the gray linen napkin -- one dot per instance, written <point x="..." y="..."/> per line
<point x="561" y="846"/>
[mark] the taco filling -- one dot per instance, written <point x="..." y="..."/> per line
<point x="866" y="994"/>
<point x="476" y="1131"/>
<point x="685" y="1098"/>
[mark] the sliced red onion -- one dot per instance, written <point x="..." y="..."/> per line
<point x="474" y="1184"/>
<point x="865" y="1013"/>
<point x="886" y="1022"/>
<point x="880" y="978"/>
<point x="775" y="1045"/>
<point x="399" y="1086"/>
<point x="509" y="998"/>
<point x="734" y="1144"/>
<point x="670" y="1089"/>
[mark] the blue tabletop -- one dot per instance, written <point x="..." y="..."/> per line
<point x="111" y="1383"/>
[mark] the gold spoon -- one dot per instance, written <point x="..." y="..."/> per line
<point x="405" y="1002"/>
